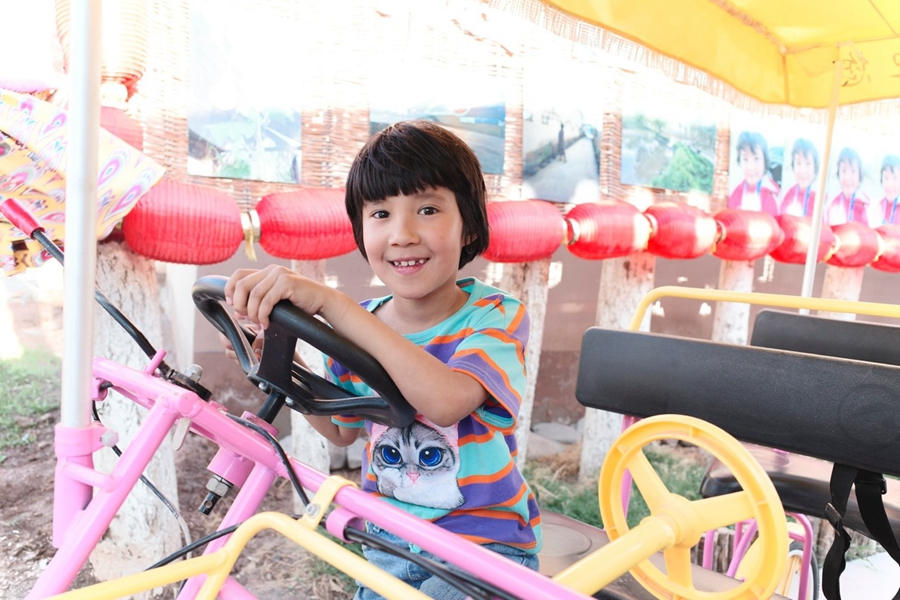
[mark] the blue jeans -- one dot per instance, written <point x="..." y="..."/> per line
<point x="418" y="577"/>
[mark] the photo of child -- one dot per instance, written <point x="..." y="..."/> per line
<point x="758" y="189"/>
<point x="800" y="198"/>
<point x="851" y="203"/>
<point x="890" y="183"/>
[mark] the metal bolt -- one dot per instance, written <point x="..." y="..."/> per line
<point x="311" y="510"/>
<point x="193" y="372"/>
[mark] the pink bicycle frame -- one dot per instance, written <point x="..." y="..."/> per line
<point x="79" y="525"/>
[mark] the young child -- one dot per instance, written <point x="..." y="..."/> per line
<point x="890" y="181"/>
<point x="851" y="203"/>
<point x="758" y="191"/>
<point x="800" y="199"/>
<point x="455" y="348"/>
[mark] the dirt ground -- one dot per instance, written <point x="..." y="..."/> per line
<point x="271" y="566"/>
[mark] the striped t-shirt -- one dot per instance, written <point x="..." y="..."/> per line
<point x="462" y="477"/>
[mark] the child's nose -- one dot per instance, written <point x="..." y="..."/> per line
<point x="404" y="231"/>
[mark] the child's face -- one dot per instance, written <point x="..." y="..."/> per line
<point x="804" y="169"/>
<point x="753" y="164"/>
<point x="890" y="181"/>
<point x="414" y="242"/>
<point x="848" y="177"/>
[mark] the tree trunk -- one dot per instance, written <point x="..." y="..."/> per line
<point x="733" y="318"/>
<point x="529" y="283"/>
<point x="143" y="529"/>
<point x="623" y="283"/>
<point x="843" y="283"/>
<point x="307" y="444"/>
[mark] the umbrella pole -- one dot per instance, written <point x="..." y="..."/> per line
<point x="809" y="270"/>
<point x="81" y="202"/>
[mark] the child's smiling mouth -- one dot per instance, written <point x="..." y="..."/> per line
<point x="407" y="263"/>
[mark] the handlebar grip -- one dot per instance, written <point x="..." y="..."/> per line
<point x="20" y="217"/>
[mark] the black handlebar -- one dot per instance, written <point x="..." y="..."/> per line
<point x="303" y="390"/>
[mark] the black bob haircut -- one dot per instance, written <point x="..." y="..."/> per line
<point x="409" y="157"/>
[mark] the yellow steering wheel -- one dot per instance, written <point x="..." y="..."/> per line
<point x="676" y="524"/>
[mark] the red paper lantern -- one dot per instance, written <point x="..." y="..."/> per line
<point x="680" y="231"/>
<point x="797" y="235"/>
<point x="308" y="224"/>
<point x="523" y="230"/>
<point x="182" y="223"/>
<point x="122" y="125"/>
<point x="598" y="231"/>
<point x="857" y="246"/>
<point x="746" y="234"/>
<point x="890" y="258"/>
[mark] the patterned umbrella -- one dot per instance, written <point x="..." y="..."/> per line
<point x="33" y="149"/>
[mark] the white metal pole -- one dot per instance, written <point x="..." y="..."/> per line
<point x="809" y="271"/>
<point x="81" y="210"/>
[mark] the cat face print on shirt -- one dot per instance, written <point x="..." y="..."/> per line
<point x="417" y="464"/>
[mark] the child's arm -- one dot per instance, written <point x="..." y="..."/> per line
<point x="337" y="435"/>
<point x="442" y="395"/>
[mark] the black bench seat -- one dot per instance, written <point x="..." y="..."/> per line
<point x="834" y="409"/>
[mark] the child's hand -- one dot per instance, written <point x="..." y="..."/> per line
<point x="254" y="292"/>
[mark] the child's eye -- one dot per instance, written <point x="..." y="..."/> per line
<point x="428" y="210"/>
<point x="379" y="214"/>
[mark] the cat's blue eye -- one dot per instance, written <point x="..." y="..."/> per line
<point x="389" y="454"/>
<point x="430" y="457"/>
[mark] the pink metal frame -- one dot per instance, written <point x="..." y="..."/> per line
<point x="79" y="524"/>
<point x="745" y="531"/>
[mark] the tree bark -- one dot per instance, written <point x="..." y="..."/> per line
<point x="843" y="283"/>
<point x="143" y="527"/>
<point x="623" y="283"/>
<point x="733" y="318"/>
<point x="529" y="283"/>
<point x="307" y="445"/>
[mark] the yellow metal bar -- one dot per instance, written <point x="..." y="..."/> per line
<point x="603" y="566"/>
<point x="877" y="309"/>
<point x="218" y="565"/>
<point x="315" y="510"/>
<point x="139" y="582"/>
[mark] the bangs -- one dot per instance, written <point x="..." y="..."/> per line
<point x="382" y="177"/>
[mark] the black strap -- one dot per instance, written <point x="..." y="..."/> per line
<point x="870" y="487"/>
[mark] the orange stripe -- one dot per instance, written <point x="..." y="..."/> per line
<point x="443" y="339"/>
<point x="492" y="364"/>
<point x="351" y="377"/>
<point x="504" y="336"/>
<point x="504" y="515"/>
<point x="498" y="302"/>
<point x="483" y="540"/>
<point x="474" y="438"/>
<point x="489" y="478"/>
<point x="520" y="314"/>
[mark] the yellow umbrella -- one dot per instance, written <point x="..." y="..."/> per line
<point x="781" y="52"/>
<point x="803" y="53"/>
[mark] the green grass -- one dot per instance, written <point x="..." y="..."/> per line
<point x="29" y="387"/>
<point x="579" y="500"/>
<point x="321" y="569"/>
